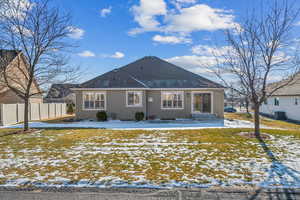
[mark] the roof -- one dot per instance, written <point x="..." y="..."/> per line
<point x="6" y="56"/>
<point x="150" y="72"/>
<point x="60" y="90"/>
<point x="292" y="89"/>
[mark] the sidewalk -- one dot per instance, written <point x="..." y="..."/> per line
<point x="150" y="194"/>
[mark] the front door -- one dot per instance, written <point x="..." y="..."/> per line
<point x="201" y="103"/>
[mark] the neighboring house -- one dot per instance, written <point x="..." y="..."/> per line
<point x="15" y="64"/>
<point x="61" y="93"/>
<point x="286" y="99"/>
<point x="151" y="85"/>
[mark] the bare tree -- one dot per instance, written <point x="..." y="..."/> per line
<point x="37" y="32"/>
<point x="259" y="50"/>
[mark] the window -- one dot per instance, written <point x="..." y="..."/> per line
<point x="266" y="101"/>
<point x="172" y="100"/>
<point x="276" y="101"/>
<point x="296" y="101"/>
<point x="94" y="101"/>
<point x="202" y="102"/>
<point x="134" y="98"/>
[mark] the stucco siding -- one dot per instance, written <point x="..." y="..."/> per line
<point x="218" y="105"/>
<point x="154" y="107"/>
<point x="116" y="105"/>
<point x="286" y="104"/>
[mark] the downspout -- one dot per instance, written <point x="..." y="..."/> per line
<point x="146" y="106"/>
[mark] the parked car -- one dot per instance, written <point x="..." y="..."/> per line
<point x="230" y="110"/>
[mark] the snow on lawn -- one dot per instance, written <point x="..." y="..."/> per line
<point x="140" y="158"/>
<point x="145" y="125"/>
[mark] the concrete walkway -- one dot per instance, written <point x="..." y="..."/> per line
<point x="148" y="194"/>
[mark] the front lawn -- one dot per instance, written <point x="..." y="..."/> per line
<point x="264" y="121"/>
<point x="148" y="158"/>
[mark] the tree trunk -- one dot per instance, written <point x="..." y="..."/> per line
<point x="247" y="105"/>
<point x="256" y="120"/>
<point x="26" y="114"/>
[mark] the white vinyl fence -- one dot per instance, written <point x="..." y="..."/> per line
<point x="14" y="113"/>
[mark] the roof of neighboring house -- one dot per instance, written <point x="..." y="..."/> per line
<point x="150" y="72"/>
<point x="60" y="90"/>
<point x="6" y="56"/>
<point x="291" y="89"/>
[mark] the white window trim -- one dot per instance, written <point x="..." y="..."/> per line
<point x="202" y="92"/>
<point x="140" y="93"/>
<point x="100" y="109"/>
<point x="177" y="92"/>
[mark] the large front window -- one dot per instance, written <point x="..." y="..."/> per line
<point x="134" y="98"/>
<point x="172" y="100"/>
<point x="94" y="101"/>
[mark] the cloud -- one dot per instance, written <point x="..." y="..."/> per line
<point x="180" y="3"/>
<point x="118" y="55"/>
<point x="194" y="63"/>
<point x="154" y="16"/>
<point x="200" y="17"/>
<point x="75" y="33"/>
<point x="171" y="39"/>
<point x="203" y="58"/>
<point x="15" y="8"/>
<point x="105" y="11"/>
<point x="211" y="50"/>
<point x="145" y="14"/>
<point x="86" y="54"/>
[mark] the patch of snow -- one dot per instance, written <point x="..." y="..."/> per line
<point x="145" y="125"/>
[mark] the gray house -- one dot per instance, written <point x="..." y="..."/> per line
<point x="151" y="85"/>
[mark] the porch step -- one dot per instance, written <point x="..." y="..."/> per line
<point x="203" y="116"/>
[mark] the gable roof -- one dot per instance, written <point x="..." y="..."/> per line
<point x="292" y="89"/>
<point x="150" y="72"/>
<point x="60" y="90"/>
<point x="7" y="56"/>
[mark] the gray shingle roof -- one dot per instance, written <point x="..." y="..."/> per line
<point x="150" y="72"/>
<point x="60" y="90"/>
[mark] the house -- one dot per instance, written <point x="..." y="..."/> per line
<point x="286" y="99"/>
<point x="61" y="93"/>
<point x="15" y="64"/>
<point x="153" y="86"/>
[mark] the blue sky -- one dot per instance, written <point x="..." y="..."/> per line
<point x="110" y="34"/>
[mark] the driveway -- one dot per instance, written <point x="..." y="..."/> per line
<point x="149" y="194"/>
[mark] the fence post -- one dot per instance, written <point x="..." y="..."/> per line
<point x="40" y="116"/>
<point x="1" y="114"/>
<point x="17" y="112"/>
<point x="48" y="110"/>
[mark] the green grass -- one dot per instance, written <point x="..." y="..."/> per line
<point x="264" y="121"/>
<point x="6" y="131"/>
<point x="156" y="156"/>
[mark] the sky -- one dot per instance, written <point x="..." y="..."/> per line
<point x="112" y="33"/>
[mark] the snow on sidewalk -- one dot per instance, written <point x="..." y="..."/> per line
<point x="145" y="125"/>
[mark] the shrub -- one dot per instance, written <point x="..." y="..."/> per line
<point x="101" y="116"/>
<point x="139" y="116"/>
<point x="70" y="109"/>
